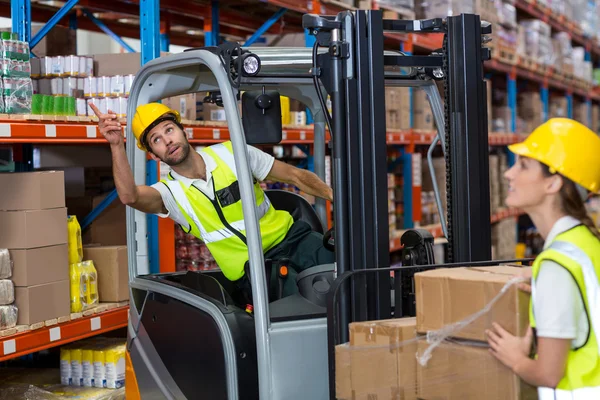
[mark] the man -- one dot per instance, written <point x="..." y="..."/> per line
<point x="202" y="193"/>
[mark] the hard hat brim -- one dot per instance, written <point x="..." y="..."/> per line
<point x="520" y="149"/>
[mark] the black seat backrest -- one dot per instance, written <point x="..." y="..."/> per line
<point x="207" y="285"/>
<point x="297" y="206"/>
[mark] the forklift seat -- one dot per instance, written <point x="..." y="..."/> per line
<point x="297" y="206"/>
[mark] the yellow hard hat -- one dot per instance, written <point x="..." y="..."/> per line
<point x="567" y="147"/>
<point x="147" y="116"/>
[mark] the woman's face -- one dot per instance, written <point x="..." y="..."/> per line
<point x="527" y="185"/>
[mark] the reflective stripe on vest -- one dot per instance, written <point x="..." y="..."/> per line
<point x="225" y="155"/>
<point x="586" y="393"/>
<point x="220" y="234"/>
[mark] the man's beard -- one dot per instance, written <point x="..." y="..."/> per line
<point x="174" y="161"/>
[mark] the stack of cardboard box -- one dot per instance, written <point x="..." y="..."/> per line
<point x="462" y="367"/>
<point x="397" y="108"/>
<point x="392" y="359"/>
<point x="34" y="221"/>
<point x="504" y="239"/>
<point x="529" y="108"/>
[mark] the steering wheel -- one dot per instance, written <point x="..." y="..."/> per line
<point x="329" y="240"/>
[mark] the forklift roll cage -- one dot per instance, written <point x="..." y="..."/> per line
<point x="353" y="69"/>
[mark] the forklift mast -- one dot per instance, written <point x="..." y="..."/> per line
<point x="353" y="73"/>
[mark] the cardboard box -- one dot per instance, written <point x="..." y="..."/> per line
<point x="58" y="41"/>
<point x="595" y="118"/>
<point x="185" y="105"/>
<point x="580" y="113"/>
<point x="343" y="381"/>
<point x="448" y="295"/>
<point x="42" y="265"/>
<point x="32" y="190"/>
<point x="42" y="302"/>
<point x="113" y="275"/>
<point x="422" y="114"/>
<point x="467" y="371"/>
<point x="110" y="227"/>
<point x="31" y="229"/>
<point x="118" y="63"/>
<point x="382" y="362"/>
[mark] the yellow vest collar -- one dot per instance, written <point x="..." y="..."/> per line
<point x="210" y="163"/>
<point x="562" y="225"/>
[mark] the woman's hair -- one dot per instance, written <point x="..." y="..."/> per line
<point x="572" y="202"/>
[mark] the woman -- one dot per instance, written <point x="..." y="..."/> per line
<point x="557" y="166"/>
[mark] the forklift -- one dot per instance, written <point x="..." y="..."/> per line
<point x="188" y="336"/>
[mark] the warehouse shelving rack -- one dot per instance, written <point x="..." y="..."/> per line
<point x="157" y="26"/>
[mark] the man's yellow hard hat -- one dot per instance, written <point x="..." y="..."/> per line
<point x="146" y="117"/>
<point x="567" y="147"/>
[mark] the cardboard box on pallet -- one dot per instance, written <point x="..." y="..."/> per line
<point x="113" y="275"/>
<point x="379" y="361"/>
<point x="467" y="291"/>
<point x="595" y="117"/>
<point x="466" y="370"/>
<point x="32" y="190"/>
<point x="43" y="302"/>
<point x="422" y="113"/>
<point x="397" y="108"/>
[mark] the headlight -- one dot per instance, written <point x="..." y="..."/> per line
<point x="250" y="64"/>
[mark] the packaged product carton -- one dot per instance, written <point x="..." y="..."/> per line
<point x="448" y="295"/>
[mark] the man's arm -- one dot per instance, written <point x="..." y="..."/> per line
<point x="305" y="180"/>
<point x="143" y="198"/>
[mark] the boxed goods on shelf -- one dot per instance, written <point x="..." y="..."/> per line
<point x="40" y="265"/>
<point x="537" y="41"/>
<point x="422" y="113"/>
<point x="504" y="239"/>
<point x="113" y="275"/>
<point x="15" y="68"/>
<point x="558" y="107"/>
<point x="465" y="292"/>
<point x="581" y="113"/>
<point x="34" y="218"/>
<point x="530" y="110"/>
<point x="43" y="302"/>
<point x="397" y="108"/>
<point x="595" y="117"/>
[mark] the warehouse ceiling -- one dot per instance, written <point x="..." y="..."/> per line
<point x="185" y="20"/>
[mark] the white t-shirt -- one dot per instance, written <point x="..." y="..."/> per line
<point x="260" y="165"/>
<point x="559" y="308"/>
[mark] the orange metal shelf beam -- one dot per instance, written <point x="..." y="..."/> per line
<point x="436" y="230"/>
<point x="35" y="131"/>
<point x="29" y="342"/>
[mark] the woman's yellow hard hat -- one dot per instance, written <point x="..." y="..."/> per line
<point x="147" y="116"/>
<point x="567" y="147"/>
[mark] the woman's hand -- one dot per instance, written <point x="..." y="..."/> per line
<point x="510" y="350"/>
<point x="525" y="286"/>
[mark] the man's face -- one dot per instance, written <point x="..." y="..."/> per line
<point x="168" y="143"/>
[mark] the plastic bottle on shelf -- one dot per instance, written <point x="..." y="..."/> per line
<point x="115" y="366"/>
<point x="99" y="367"/>
<point x="65" y="366"/>
<point x="91" y="283"/>
<point x="87" y="365"/>
<point x="74" y="240"/>
<point x="76" y="367"/>
<point x="78" y="287"/>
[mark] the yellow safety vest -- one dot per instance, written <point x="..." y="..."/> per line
<point x="219" y="223"/>
<point x="577" y="250"/>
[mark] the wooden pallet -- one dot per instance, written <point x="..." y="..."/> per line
<point x="527" y="63"/>
<point x="102" y="307"/>
<point x="504" y="54"/>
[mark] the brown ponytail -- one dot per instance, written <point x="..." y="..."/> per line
<point x="572" y="204"/>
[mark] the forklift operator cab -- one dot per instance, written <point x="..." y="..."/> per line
<point x="189" y="335"/>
